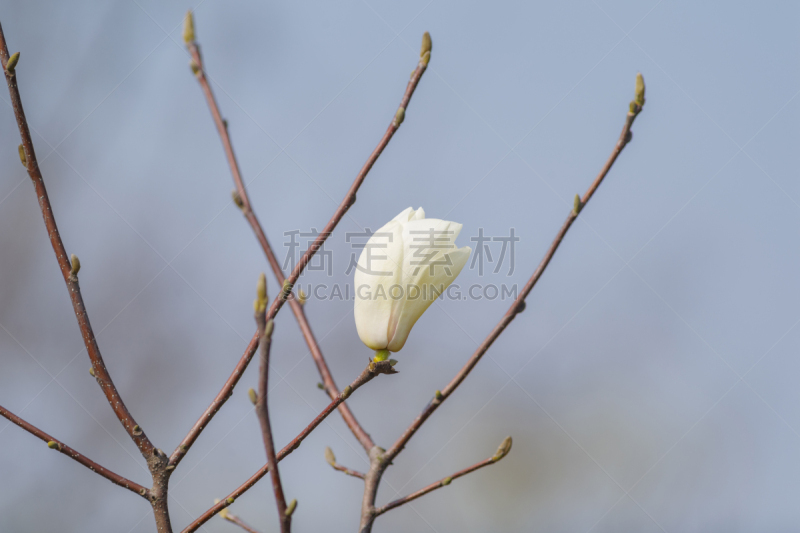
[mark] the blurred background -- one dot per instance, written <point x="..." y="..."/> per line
<point x="651" y="384"/>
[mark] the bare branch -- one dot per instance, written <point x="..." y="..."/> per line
<point x="380" y="460"/>
<point x="372" y="370"/>
<point x="502" y="451"/>
<point x="519" y="304"/>
<point x="70" y="277"/>
<point x="59" y="446"/>
<point x="236" y="520"/>
<point x="242" y="199"/>
<point x="262" y="410"/>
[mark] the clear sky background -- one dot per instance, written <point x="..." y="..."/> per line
<point x="651" y="384"/>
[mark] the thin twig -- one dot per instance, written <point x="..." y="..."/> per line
<point x="519" y="304"/>
<point x="238" y="521"/>
<point x="331" y="458"/>
<point x="59" y="446"/>
<point x="243" y="200"/>
<point x="372" y="370"/>
<point x="262" y="410"/>
<point x="70" y="277"/>
<point x="502" y="451"/>
<point x="379" y="460"/>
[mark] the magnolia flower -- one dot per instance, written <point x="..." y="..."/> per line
<point x="405" y="265"/>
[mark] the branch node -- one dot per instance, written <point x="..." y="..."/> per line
<point x="11" y="65"/>
<point x="400" y="116"/>
<point x="577" y="205"/>
<point x="237" y="199"/>
<point x="75" y="267"/>
<point x="291" y="507"/>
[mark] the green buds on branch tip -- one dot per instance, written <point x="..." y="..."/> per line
<point x="329" y="457"/>
<point x="188" y="28"/>
<point x="12" y="63"/>
<point x="260" y="303"/>
<point x="427" y="44"/>
<point x="639" y="89"/>
<point x="502" y="450"/>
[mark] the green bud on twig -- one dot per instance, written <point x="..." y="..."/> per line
<point x="91" y="371"/>
<point x="320" y="386"/>
<point x="577" y="205"/>
<point x="639" y="90"/>
<point x="438" y="395"/>
<point x="400" y="116"/>
<point x="229" y="501"/>
<point x="260" y="303"/>
<point x="392" y="362"/>
<point x="287" y="289"/>
<point x="12" y="63"/>
<point x="22" y="156"/>
<point x="301" y="297"/>
<point x="195" y="67"/>
<point x="137" y="430"/>
<point x="426" y="59"/>
<point x="253" y="396"/>
<point x="346" y="392"/>
<point x="446" y="481"/>
<point x="268" y="328"/>
<point x="291" y="507"/>
<point x="53" y="445"/>
<point x="502" y="450"/>
<point x="329" y="456"/>
<point x="427" y="44"/>
<point x="75" y="266"/>
<point x="237" y="199"/>
<point x="188" y="28"/>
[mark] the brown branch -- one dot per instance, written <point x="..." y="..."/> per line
<point x="64" y="263"/>
<point x="502" y="451"/>
<point x="59" y="446"/>
<point x="331" y="459"/>
<point x="372" y="370"/>
<point x="243" y="200"/>
<point x="216" y="405"/>
<point x="379" y="460"/>
<point x="262" y="410"/>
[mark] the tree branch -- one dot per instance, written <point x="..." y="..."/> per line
<point x="59" y="446"/>
<point x="519" y="304"/>
<point x="380" y="460"/>
<point x="262" y="410"/>
<point x="236" y="520"/>
<point x="243" y="200"/>
<point x="331" y="459"/>
<point x="372" y="370"/>
<point x="502" y="451"/>
<point x="70" y="274"/>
